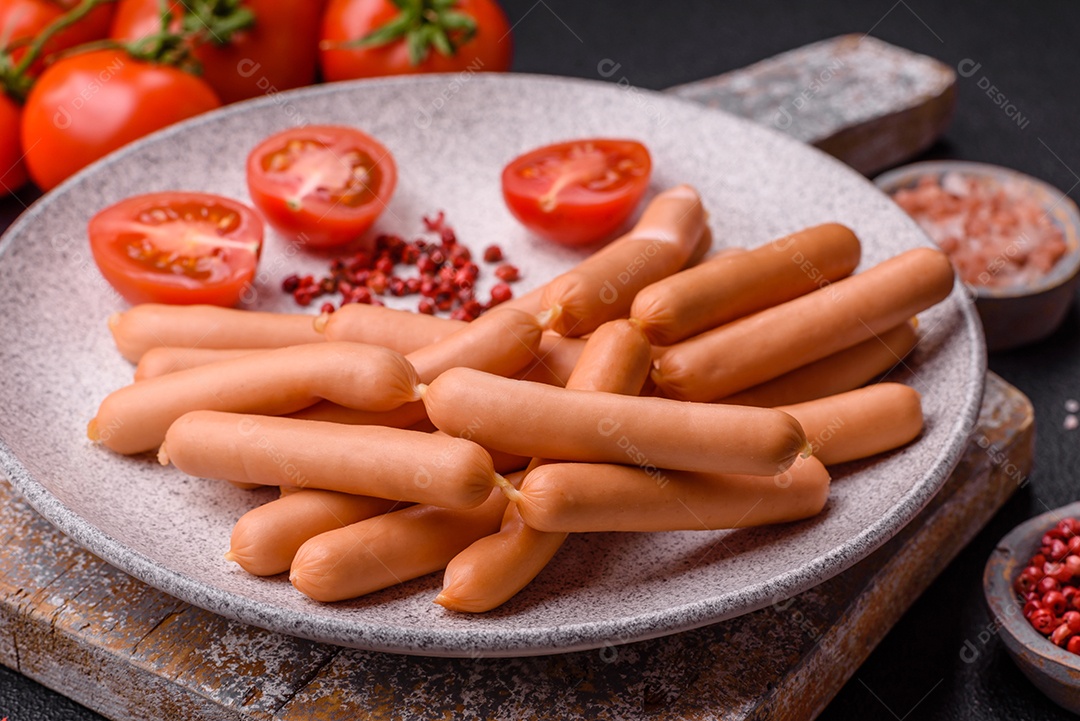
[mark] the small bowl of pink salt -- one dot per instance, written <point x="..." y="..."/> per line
<point x="1013" y="240"/>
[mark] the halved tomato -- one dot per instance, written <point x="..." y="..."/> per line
<point x="180" y="248"/>
<point x="578" y="192"/>
<point x="321" y="185"/>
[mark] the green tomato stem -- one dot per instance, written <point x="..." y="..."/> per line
<point x="16" y="80"/>
<point x="422" y="25"/>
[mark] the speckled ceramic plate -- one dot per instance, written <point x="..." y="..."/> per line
<point x="451" y="137"/>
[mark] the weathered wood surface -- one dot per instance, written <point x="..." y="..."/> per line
<point x="868" y="103"/>
<point x="128" y="651"/>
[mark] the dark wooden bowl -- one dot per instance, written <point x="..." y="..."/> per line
<point x="1055" y="671"/>
<point x="1016" y="316"/>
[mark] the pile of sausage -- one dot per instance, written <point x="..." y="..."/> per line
<point x="644" y="390"/>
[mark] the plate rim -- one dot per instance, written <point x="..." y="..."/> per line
<point x="564" y="638"/>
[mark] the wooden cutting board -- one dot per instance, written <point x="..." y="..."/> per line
<point x="128" y="651"/>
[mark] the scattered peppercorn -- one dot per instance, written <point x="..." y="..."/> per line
<point x="507" y="273"/>
<point x="500" y="294"/>
<point x="445" y="274"/>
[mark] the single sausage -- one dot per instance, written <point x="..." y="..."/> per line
<point x="602" y="287"/>
<point x="488" y="573"/>
<point x="502" y="342"/>
<point x="405" y="416"/>
<point x="555" y="361"/>
<point x="150" y="325"/>
<point x="169" y="359"/>
<point x="390" y="549"/>
<point x="265" y="539"/>
<point x="616" y="359"/>
<point x="391" y="463"/>
<point x="860" y="423"/>
<point x="411" y="416"/>
<point x="702" y="248"/>
<point x="400" y="330"/>
<point x="494" y="568"/>
<point x="733" y="285"/>
<point x="561" y="497"/>
<point x="532" y="419"/>
<point x="408" y="332"/>
<point x="772" y="342"/>
<point x="502" y="462"/>
<point x="134" y="419"/>
<point x="842" y="371"/>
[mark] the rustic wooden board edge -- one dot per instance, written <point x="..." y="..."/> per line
<point x="943" y="530"/>
<point x="807" y="93"/>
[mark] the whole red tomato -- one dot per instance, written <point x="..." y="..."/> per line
<point x="467" y="35"/>
<point x="22" y="20"/>
<point x="12" y="168"/>
<point x="89" y="104"/>
<point x="278" y="53"/>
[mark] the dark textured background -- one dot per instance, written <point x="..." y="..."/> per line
<point x="1028" y="50"/>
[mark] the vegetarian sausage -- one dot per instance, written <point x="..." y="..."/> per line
<point x="532" y="419"/>
<point x="602" y="287"/>
<point x="488" y="573"/>
<point x="860" y="423"/>
<point x="134" y="419"/>
<point x="391" y="463"/>
<point x="772" y="342"/>
<point x="390" y="549"/>
<point x="842" y="371"/>
<point x="266" y="538"/>
<point x="736" y="284"/>
<point x="150" y="325"/>
<point x="560" y="497"/>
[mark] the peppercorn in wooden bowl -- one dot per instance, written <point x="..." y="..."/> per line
<point x="1014" y="240"/>
<point x="1053" y="668"/>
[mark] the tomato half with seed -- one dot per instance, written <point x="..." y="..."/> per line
<point x="578" y="192"/>
<point x="322" y="185"/>
<point x="179" y="248"/>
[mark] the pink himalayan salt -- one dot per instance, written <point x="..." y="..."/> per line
<point x="996" y="234"/>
